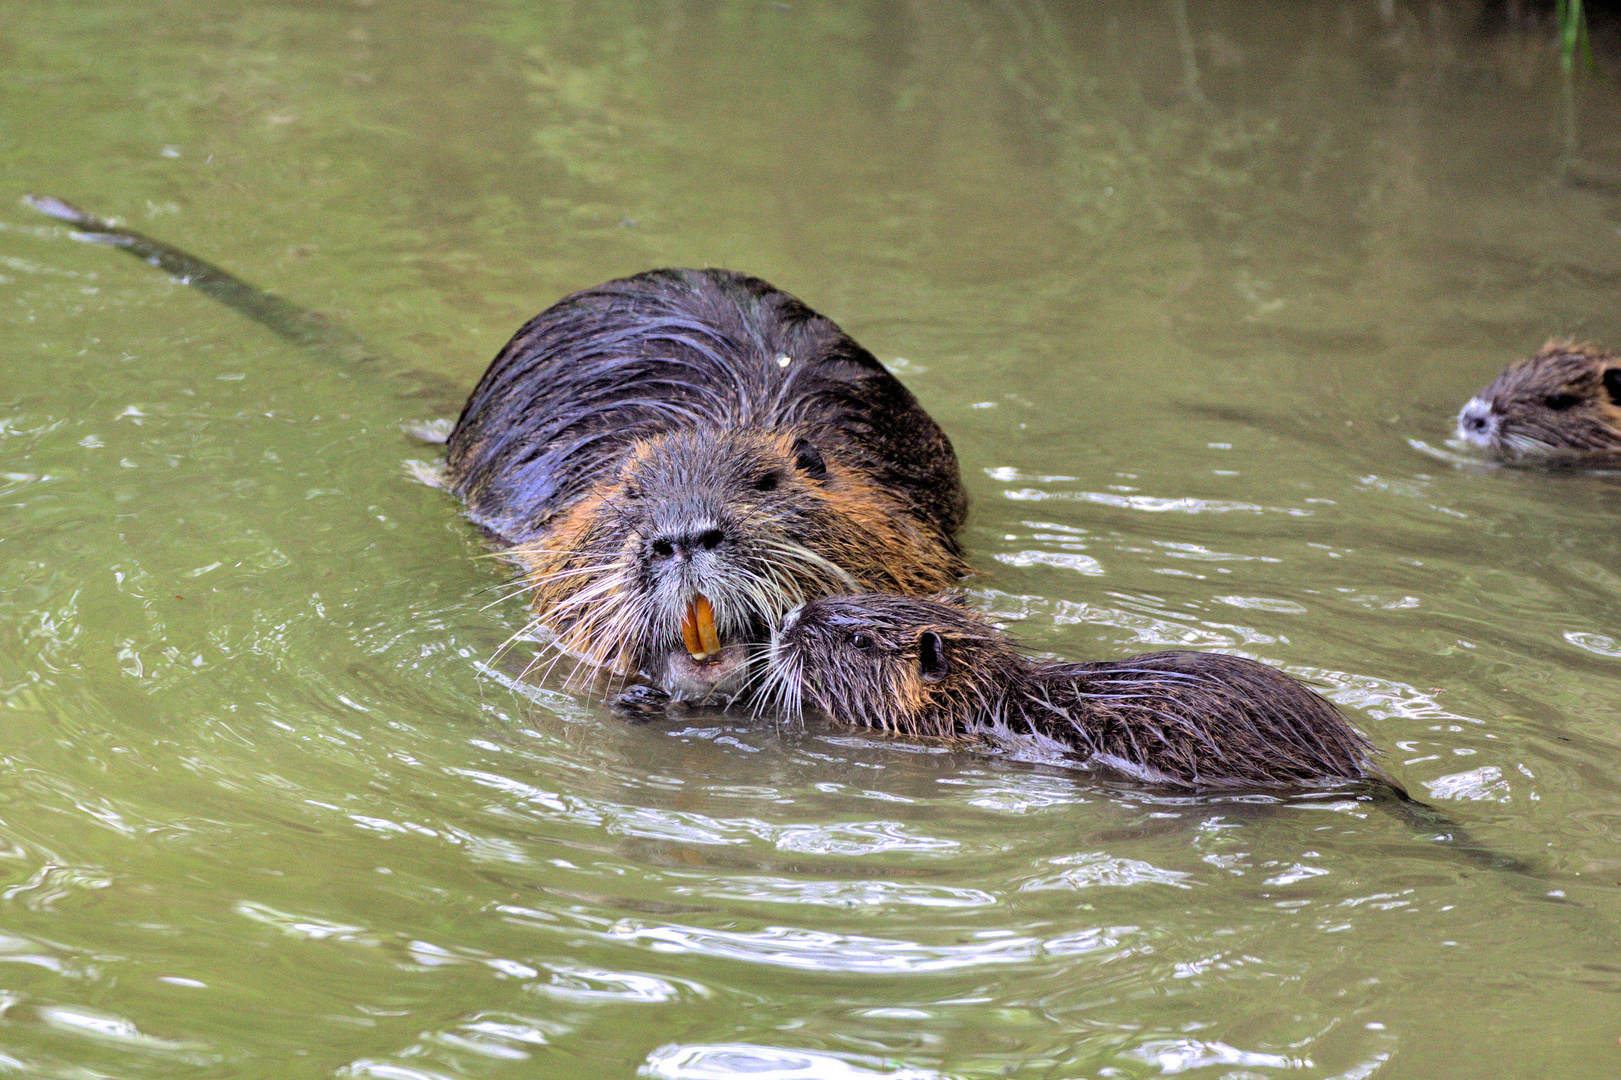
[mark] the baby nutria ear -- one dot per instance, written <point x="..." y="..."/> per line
<point x="931" y="656"/>
<point x="1612" y="383"/>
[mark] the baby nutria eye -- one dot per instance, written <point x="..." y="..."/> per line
<point x="1561" y="402"/>
<point x="808" y="460"/>
<point x="1612" y="384"/>
<point x="860" y="642"/>
<point x="632" y="491"/>
<point x="767" y="481"/>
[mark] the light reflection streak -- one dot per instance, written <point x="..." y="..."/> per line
<point x="724" y="1061"/>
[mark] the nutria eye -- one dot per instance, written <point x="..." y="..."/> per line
<point x="1561" y="402"/>
<point x="632" y="491"/>
<point x="808" y="460"/>
<point x="766" y="482"/>
<point x="1612" y="384"/>
<point x="860" y="642"/>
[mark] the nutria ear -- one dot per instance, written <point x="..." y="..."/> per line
<point x="808" y="460"/>
<point x="931" y="656"/>
<point x="1612" y="383"/>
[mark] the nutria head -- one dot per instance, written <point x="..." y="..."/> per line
<point x="902" y="664"/>
<point x="1562" y="405"/>
<point x="701" y="540"/>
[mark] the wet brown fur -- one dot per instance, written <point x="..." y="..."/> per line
<point x="1559" y="406"/>
<point x="929" y="668"/>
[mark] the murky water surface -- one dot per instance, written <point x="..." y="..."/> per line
<point x="1194" y="288"/>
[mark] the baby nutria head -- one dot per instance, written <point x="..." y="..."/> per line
<point x="901" y="664"/>
<point x="700" y="540"/>
<point x="1562" y="405"/>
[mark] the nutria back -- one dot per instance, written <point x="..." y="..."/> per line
<point x="699" y="350"/>
<point x="1201" y="719"/>
<point x="1559" y="406"/>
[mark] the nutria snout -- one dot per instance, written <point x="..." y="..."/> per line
<point x="677" y="458"/>
<point x="1559" y="406"/>
<point x="1199" y="720"/>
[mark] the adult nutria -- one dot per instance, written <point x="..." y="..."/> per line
<point x="675" y="459"/>
<point x="925" y="667"/>
<point x="678" y="458"/>
<point x="1560" y="406"/>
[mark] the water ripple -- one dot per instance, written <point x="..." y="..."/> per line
<point x="1098" y="868"/>
<point x="802" y="949"/>
<point x="725" y="1061"/>
<point x="1174" y="1056"/>
<point x="1155" y="504"/>
<point x="588" y="985"/>
<point x="108" y="1029"/>
<point x="840" y="894"/>
<point x="303" y="926"/>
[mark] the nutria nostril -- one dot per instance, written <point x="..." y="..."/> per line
<point x="686" y="546"/>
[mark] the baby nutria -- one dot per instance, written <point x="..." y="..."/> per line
<point x="675" y="459"/>
<point x="1560" y="406"/>
<point x="1179" y="719"/>
<point x="1188" y="721"/>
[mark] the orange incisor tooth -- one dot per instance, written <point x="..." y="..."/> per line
<point x="698" y="629"/>
<point x="689" y="634"/>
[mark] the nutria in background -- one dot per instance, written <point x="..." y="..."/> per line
<point x="1561" y="406"/>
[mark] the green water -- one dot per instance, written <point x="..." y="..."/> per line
<point x="1193" y="288"/>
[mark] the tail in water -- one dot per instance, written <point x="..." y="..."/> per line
<point x="285" y="319"/>
<point x="1424" y="818"/>
<point x="282" y="317"/>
